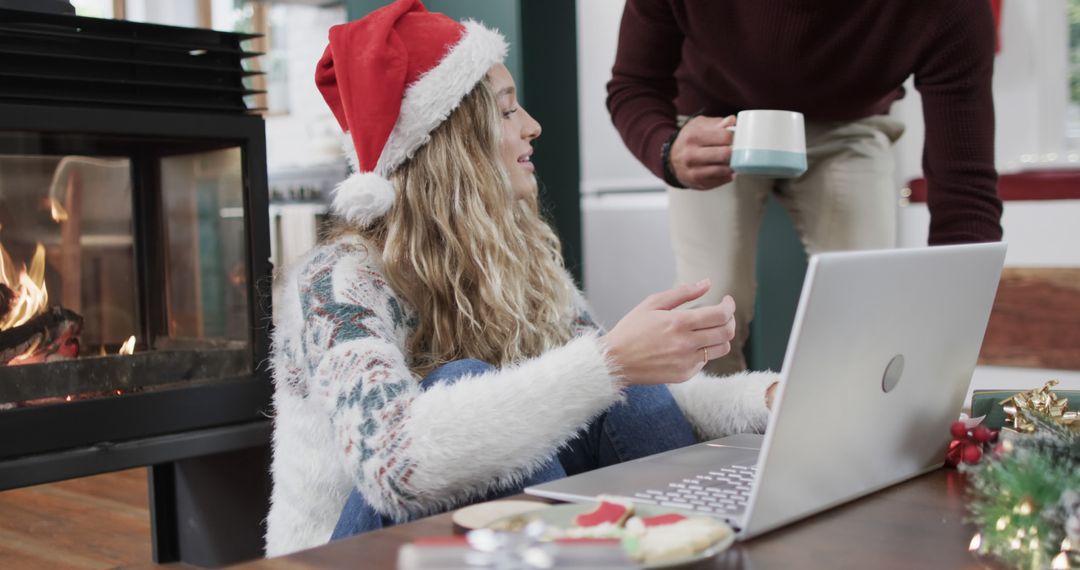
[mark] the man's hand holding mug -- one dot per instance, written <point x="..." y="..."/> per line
<point x="709" y="151"/>
<point x="701" y="154"/>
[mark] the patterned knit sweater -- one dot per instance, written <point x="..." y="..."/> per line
<point x="348" y="413"/>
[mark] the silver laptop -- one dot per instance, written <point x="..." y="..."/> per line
<point x="881" y="353"/>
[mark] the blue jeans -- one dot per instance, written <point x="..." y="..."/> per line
<point x="647" y="422"/>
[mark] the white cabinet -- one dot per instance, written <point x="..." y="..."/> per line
<point x="627" y="250"/>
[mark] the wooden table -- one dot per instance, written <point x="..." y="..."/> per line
<point x="917" y="524"/>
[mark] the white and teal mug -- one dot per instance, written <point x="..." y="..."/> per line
<point x="769" y="143"/>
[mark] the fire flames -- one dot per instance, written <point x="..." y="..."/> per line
<point x="32" y="331"/>
<point x="30" y="296"/>
<point x="56" y="209"/>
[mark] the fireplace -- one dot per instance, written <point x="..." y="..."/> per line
<point x="131" y="269"/>
<point x="134" y="258"/>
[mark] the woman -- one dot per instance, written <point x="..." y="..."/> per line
<point x="440" y="268"/>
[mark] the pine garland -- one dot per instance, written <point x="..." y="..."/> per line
<point x="1024" y="498"/>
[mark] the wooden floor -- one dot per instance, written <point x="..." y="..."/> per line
<point x="95" y="522"/>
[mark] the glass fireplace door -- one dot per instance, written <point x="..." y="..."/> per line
<point x="121" y="272"/>
<point x="67" y="282"/>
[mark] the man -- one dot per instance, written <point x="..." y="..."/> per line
<point x="684" y="68"/>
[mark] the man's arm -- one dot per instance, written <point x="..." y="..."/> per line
<point x="642" y="89"/>
<point x="954" y="79"/>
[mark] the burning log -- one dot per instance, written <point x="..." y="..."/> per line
<point x="52" y="335"/>
<point x="7" y="300"/>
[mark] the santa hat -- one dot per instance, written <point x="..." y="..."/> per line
<point x="390" y="78"/>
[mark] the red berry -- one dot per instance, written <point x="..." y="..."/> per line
<point x="971" y="454"/>
<point x="958" y="430"/>
<point x="952" y="457"/>
<point x="981" y="434"/>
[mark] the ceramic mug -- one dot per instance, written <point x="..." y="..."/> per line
<point x="769" y="143"/>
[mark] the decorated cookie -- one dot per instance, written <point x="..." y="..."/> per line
<point x="668" y="538"/>
<point x="606" y="512"/>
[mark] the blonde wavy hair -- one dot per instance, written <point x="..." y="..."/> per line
<point x="480" y="266"/>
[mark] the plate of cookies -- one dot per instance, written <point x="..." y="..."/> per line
<point x="653" y="536"/>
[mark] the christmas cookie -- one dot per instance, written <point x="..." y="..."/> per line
<point x="609" y="512"/>
<point x="671" y="537"/>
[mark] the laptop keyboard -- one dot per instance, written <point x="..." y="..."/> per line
<point x="721" y="492"/>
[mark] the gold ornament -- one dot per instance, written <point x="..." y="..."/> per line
<point x="1042" y="401"/>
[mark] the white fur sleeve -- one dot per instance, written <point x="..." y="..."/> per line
<point x="414" y="451"/>
<point x="495" y="428"/>
<point x="720" y="406"/>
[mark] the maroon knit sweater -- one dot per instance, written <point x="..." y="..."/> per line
<point x="830" y="60"/>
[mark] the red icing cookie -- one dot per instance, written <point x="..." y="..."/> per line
<point x="661" y="520"/>
<point x="606" y="512"/>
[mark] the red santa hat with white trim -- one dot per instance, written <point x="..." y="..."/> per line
<point x="390" y="78"/>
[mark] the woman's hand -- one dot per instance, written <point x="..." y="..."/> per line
<point x="655" y="344"/>
<point x="770" y="394"/>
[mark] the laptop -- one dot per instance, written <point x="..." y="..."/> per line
<point x="882" y="350"/>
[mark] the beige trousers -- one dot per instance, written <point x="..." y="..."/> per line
<point x="846" y="199"/>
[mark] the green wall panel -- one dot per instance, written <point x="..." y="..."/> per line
<point x="549" y="61"/>
<point x="503" y="15"/>
<point x="781" y="266"/>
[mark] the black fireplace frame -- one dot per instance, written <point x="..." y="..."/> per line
<point x="86" y="437"/>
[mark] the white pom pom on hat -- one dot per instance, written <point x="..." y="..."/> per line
<point x="363" y="198"/>
<point x="390" y="78"/>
